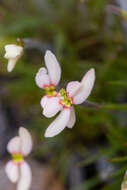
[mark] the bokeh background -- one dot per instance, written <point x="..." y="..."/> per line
<point x="82" y="34"/>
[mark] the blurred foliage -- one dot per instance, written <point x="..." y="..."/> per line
<point x="82" y="34"/>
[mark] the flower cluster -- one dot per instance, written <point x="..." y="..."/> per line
<point x="62" y="101"/>
<point x="17" y="169"/>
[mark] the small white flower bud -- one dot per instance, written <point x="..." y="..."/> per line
<point x="13" y="53"/>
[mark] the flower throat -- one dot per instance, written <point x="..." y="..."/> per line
<point x="66" y="101"/>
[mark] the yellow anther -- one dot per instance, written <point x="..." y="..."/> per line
<point x="67" y="102"/>
<point x="17" y="158"/>
<point x="50" y="91"/>
<point x="63" y="92"/>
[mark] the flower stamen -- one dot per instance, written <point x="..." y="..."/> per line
<point x="17" y="158"/>
<point x="65" y="101"/>
<point x="50" y="90"/>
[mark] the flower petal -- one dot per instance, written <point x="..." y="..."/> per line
<point x="12" y="51"/>
<point x="87" y="85"/>
<point x="26" y="141"/>
<point x="52" y="107"/>
<point x="25" y="177"/>
<point x="11" y="64"/>
<point x="14" y="145"/>
<point x="53" y="67"/>
<point x="72" y="118"/>
<point x="58" y="124"/>
<point x="124" y="184"/>
<point x="42" y="78"/>
<point x="12" y="172"/>
<point x="73" y="87"/>
<point x="44" y="101"/>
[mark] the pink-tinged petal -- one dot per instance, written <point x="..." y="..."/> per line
<point x="26" y="141"/>
<point x="14" y="145"/>
<point x="42" y="78"/>
<point x="52" y="107"/>
<point x="54" y="69"/>
<point x="72" y="118"/>
<point x="25" y="177"/>
<point x="58" y="124"/>
<point x="73" y="87"/>
<point x="85" y="90"/>
<point x="12" y="171"/>
<point x="44" y="101"/>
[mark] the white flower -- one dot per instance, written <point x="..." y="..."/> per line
<point x="13" y="53"/>
<point x="49" y="77"/>
<point x="124" y="183"/>
<point x="76" y="93"/>
<point x="17" y="169"/>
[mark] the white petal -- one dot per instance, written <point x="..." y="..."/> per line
<point x="12" y="171"/>
<point x="14" y="145"/>
<point x="124" y="184"/>
<point x="72" y="118"/>
<point x="26" y="141"/>
<point x="87" y="85"/>
<point x="11" y="64"/>
<point x="73" y="87"/>
<point x="58" y="124"/>
<point x="42" y="78"/>
<point x="25" y="177"/>
<point x="44" y="101"/>
<point x="13" y="51"/>
<point x="52" y="107"/>
<point x="53" y="67"/>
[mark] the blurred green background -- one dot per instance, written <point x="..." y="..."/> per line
<point x="82" y="34"/>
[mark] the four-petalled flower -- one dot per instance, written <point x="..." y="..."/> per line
<point x="49" y="77"/>
<point x="13" y="53"/>
<point x="75" y="93"/>
<point x="17" y="170"/>
<point x="53" y="102"/>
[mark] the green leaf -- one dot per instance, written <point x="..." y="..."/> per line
<point x="119" y="159"/>
<point x="119" y="83"/>
<point x="117" y="107"/>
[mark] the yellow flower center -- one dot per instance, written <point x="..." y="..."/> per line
<point x="17" y="157"/>
<point x="50" y="91"/>
<point x="66" y="101"/>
